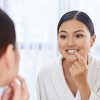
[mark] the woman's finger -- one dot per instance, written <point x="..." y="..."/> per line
<point x="17" y="92"/>
<point x="80" y="59"/>
<point x="79" y="66"/>
<point x="72" y="70"/>
<point x="23" y="86"/>
<point x="7" y="94"/>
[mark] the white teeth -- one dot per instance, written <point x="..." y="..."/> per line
<point x="71" y="51"/>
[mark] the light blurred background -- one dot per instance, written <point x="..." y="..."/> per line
<point x="36" y="24"/>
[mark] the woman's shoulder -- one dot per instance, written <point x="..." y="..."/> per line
<point x="94" y="60"/>
<point x="49" y="66"/>
<point x="97" y="62"/>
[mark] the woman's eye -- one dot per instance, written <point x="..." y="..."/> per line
<point x="79" y="36"/>
<point x="63" y="36"/>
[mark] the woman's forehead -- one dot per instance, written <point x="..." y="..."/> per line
<point x="73" y="25"/>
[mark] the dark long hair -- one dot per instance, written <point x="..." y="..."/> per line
<point x="7" y="32"/>
<point x="80" y="16"/>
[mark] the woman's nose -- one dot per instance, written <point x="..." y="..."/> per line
<point x="70" y="41"/>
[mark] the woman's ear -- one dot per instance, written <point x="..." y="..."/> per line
<point x="93" y="40"/>
<point x="9" y="54"/>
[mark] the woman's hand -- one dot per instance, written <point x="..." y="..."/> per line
<point x="16" y="91"/>
<point x="78" y="72"/>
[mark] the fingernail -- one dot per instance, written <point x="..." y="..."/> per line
<point x="18" y="82"/>
<point x="76" y="53"/>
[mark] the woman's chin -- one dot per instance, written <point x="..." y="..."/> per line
<point x="71" y="58"/>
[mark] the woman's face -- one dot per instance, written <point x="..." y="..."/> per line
<point x="9" y="65"/>
<point x="73" y="37"/>
<point x="14" y="66"/>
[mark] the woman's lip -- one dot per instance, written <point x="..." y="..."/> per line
<point x="72" y="51"/>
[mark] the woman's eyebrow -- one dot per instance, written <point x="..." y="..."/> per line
<point x="78" y="31"/>
<point x="62" y="31"/>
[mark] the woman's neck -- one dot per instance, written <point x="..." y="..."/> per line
<point x="66" y="65"/>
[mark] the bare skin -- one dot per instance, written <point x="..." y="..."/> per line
<point x="75" y="75"/>
<point x="16" y="91"/>
<point x="68" y="78"/>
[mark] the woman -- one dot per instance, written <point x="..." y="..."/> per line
<point x="74" y="75"/>
<point x="9" y="62"/>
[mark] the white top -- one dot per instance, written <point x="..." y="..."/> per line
<point x="51" y="84"/>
